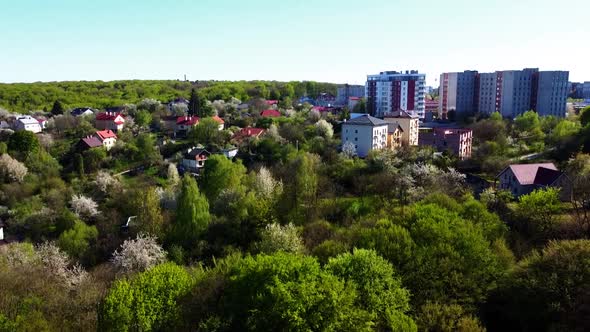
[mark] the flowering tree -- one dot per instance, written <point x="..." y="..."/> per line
<point x="105" y="182"/>
<point x="280" y="238"/>
<point x="348" y="150"/>
<point x="139" y="255"/>
<point x="266" y="186"/>
<point x="324" y="129"/>
<point x="173" y="177"/>
<point x="84" y="206"/>
<point x="12" y="169"/>
<point x="58" y="263"/>
<point x="314" y="116"/>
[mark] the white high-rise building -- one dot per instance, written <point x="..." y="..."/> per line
<point x="392" y="91"/>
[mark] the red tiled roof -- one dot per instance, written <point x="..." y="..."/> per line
<point x="272" y="102"/>
<point x="104" y="134"/>
<point x="248" y="132"/>
<point x="187" y="120"/>
<point x="218" y="119"/>
<point x="109" y="116"/>
<point x="270" y="114"/>
<point x="92" y="142"/>
<point x="527" y="173"/>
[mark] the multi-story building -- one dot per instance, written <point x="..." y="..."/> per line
<point x="510" y="92"/>
<point x="586" y="90"/>
<point x="409" y="123"/>
<point x="366" y="133"/>
<point x="347" y="91"/>
<point x="576" y="90"/>
<point x="392" y="91"/>
<point x="459" y="93"/>
<point x="457" y="141"/>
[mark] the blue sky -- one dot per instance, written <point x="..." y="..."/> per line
<point x="324" y="40"/>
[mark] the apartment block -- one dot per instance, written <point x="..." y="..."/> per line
<point x="393" y="91"/>
<point x="456" y="141"/>
<point x="459" y="93"/>
<point x="349" y="91"/>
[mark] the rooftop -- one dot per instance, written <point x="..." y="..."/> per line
<point x="365" y="120"/>
<point x="542" y="174"/>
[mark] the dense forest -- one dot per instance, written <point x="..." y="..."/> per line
<point x="294" y="233"/>
<point x="25" y="97"/>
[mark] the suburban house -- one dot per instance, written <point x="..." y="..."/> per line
<point x="394" y="136"/>
<point x="220" y="121"/>
<point x="184" y="124"/>
<point x="110" y="121"/>
<point x="42" y="123"/>
<point x="90" y="142"/>
<point x="273" y="103"/>
<point x="456" y="140"/>
<point x="366" y="133"/>
<point x="410" y="124"/>
<point x="194" y="159"/>
<point x="247" y="132"/>
<point x="27" y="123"/>
<point x="82" y="111"/>
<point x="108" y="138"/>
<point x="270" y="114"/>
<point x="522" y="179"/>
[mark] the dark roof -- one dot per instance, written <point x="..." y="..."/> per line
<point x="196" y="152"/>
<point x="365" y="120"/>
<point x="81" y="110"/>
<point x="401" y="114"/>
<point x="546" y="176"/>
<point x="391" y="127"/>
<point x="92" y="142"/>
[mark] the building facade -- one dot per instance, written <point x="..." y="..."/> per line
<point x="457" y="141"/>
<point x="409" y="123"/>
<point x="366" y="133"/>
<point x="27" y="123"/>
<point x="586" y="90"/>
<point x="459" y="93"/>
<point x="392" y="91"/>
<point x="522" y="179"/>
<point x="347" y="91"/>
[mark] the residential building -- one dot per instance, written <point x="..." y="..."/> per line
<point x="366" y="133"/>
<point x="82" y="111"/>
<point x="178" y="103"/>
<point x="352" y="102"/>
<point x="576" y="90"/>
<point x="514" y="92"/>
<point x="346" y="92"/>
<point x="184" y="124"/>
<point x="108" y="138"/>
<point x="246" y="133"/>
<point x="431" y="110"/>
<point x="27" y="123"/>
<point x="272" y="103"/>
<point x="325" y="99"/>
<point x="270" y="114"/>
<point x="194" y="159"/>
<point x="219" y="121"/>
<point x="90" y="142"/>
<point x="392" y="91"/>
<point x="455" y="140"/>
<point x="409" y="123"/>
<point x="458" y="93"/>
<point x="586" y="90"/>
<point x="394" y="136"/>
<point x="110" y="121"/>
<point x="522" y="179"/>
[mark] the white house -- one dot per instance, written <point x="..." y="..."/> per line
<point x="110" y="120"/>
<point x="27" y="123"/>
<point x="194" y="160"/>
<point x="366" y="133"/>
<point x="107" y="137"/>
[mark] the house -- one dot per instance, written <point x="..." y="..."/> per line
<point x="243" y="107"/>
<point x="394" y="136"/>
<point x="82" y="111"/>
<point x="90" y="142"/>
<point x="110" y="121"/>
<point x="220" y="121"/>
<point x="270" y="114"/>
<point x="108" y="138"/>
<point x="410" y="124"/>
<point x="42" y="123"/>
<point x="366" y="133"/>
<point x="522" y="179"/>
<point x="248" y="132"/>
<point x="456" y="140"/>
<point x="194" y="159"/>
<point x="230" y="152"/>
<point x="180" y="102"/>
<point x="274" y="103"/>
<point x="184" y="124"/>
<point x="27" y="123"/>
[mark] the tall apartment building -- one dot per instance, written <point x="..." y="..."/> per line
<point x="347" y="91"/>
<point x="459" y="92"/>
<point x="586" y="90"/>
<point x="510" y="92"/>
<point x="392" y="91"/>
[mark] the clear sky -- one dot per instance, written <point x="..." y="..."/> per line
<point x="324" y="40"/>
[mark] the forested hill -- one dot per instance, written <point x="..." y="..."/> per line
<point x="23" y="97"/>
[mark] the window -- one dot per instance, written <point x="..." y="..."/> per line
<point x="356" y="131"/>
<point x="356" y="139"/>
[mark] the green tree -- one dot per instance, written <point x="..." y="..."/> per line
<point x="143" y="118"/>
<point x="77" y="241"/>
<point x="23" y="143"/>
<point x="538" y="211"/>
<point x="57" y="108"/>
<point x="192" y="214"/>
<point x="303" y="190"/>
<point x="206" y="132"/>
<point x="379" y="289"/>
<point x="149" y="214"/>
<point x="147" y="302"/>
<point x="221" y="173"/>
<point x="585" y="116"/>
<point x="3" y="148"/>
<point x="79" y="164"/>
<point x="194" y="103"/>
<point x="146" y="148"/>
<point x="360" y="107"/>
<point x="447" y="318"/>
<point x="93" y="159"/>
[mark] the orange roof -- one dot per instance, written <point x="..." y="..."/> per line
<point x="218" y="119"/>
<point x="104" y="134"/>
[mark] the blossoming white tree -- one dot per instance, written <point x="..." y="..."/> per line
<point x="139" y="254"/>
<point x="84" y="206"/>
<point x="12" y="169"/>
